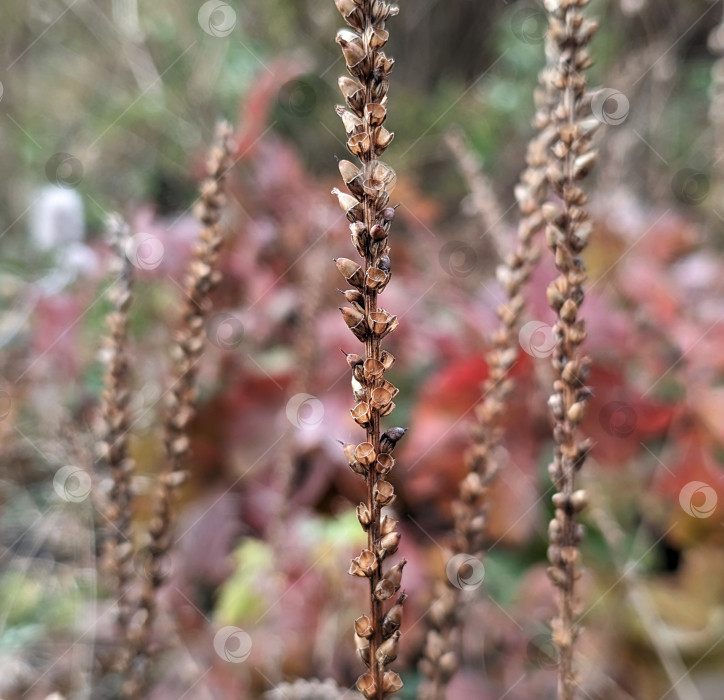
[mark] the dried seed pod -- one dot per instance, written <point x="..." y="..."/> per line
<point x="387" y="359"/>
<point x="373" y="369"/>
<point x="391" y="682"/>
<point x="350" y="205"/>
<point x="364" y="565"/>
<point x="352" y="47"/>
<point x="380" y="399"/>
<point x="362" y="644"/>
<point x="388" y="545"/>
<point x="384" y="492"/>
<point x="364" y="516"/>
<point x="390" y="438"/>
<point x="384" y="463"/>
<point x="365" y="453"/>
<point x="376" y="279"/>
<point x="361" y="414"/>
<point x="393" y="619"/>
<point x="381" y="323"/>
<point x="351" y="271"/>
<point x="363" y="626"/>
<point x="387" y="652"/>
<point x="367" y="686"/>
<point x="387" y="524"/>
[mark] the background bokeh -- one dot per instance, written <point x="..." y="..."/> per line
<point x="109" y="106"/>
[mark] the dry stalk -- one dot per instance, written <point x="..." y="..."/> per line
<point x="370" y="214"/>
<point x="567" y="231"/>
<point x="485" y="202"/>
<point x="112" y="447"/>
<point x="716" y="98"/>
<point x="189" y="344"/>
<point x="446" y="615"/>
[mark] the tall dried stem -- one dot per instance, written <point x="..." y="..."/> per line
<point x="446" y="615"/>
<point x="567" y="231"/>
<point x="202" y="277"/>
<point x="370" y="215"/>
<point x="112" y="447"/>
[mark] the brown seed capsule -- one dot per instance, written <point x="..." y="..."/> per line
<point x="353" y="359"/>
<point x="351" y="122"/>
<point x="376" y="279"/>
<point x="393" y="619"/>
<point x="352" y="47"/>
<point x="354" y="296"/>
<point x="388" y="214"/>
<point x="365" y="453"/>
<point x="362" y="644"/>
<point x="377" y="233"/>
<point x="388" y="544"/>
<point x="383" y="139"/>
<point x="381" y="323"/>
<point x="363" y="626"/>
<point x="387" y="651"/>
<point x="361" y="414"/>
<point x="373" y="369"/>
<point x="387" y="359"/>
<point x="391" y="683"/>
<point x="351" y="271"/>
<point x="359" y="145"/>
<point x="350" y="205"/>
<point x="380" y="399"/>
<point x="387" y="524"/>
<point x="355" y="321"/>
<point x="384" y="463"/>
<point x="375" y="113"/>
<point x="390" y="438"/>
<point x="353" y="93"/>
<point x="384" y="492"/>
<point x="366" y="685"/>
<point x="363" y="565"/>
<point x="364" y="516"/>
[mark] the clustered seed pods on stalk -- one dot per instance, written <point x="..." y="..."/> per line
<point x="567" y="231"/>
<point x="367" y="207"/>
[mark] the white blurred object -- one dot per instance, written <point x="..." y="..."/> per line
<point x="56" y="218"/>
<point x="57" y="226"/>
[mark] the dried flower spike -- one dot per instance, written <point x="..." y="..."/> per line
<point x="567" y="233"/>
<point x="113" y="445"/>
<point x="447" y="615"/>
<point x="189" y="342"/>
<point x="367" y="206"/>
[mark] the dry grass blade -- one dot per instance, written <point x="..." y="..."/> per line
<point x="367" y="206"/>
